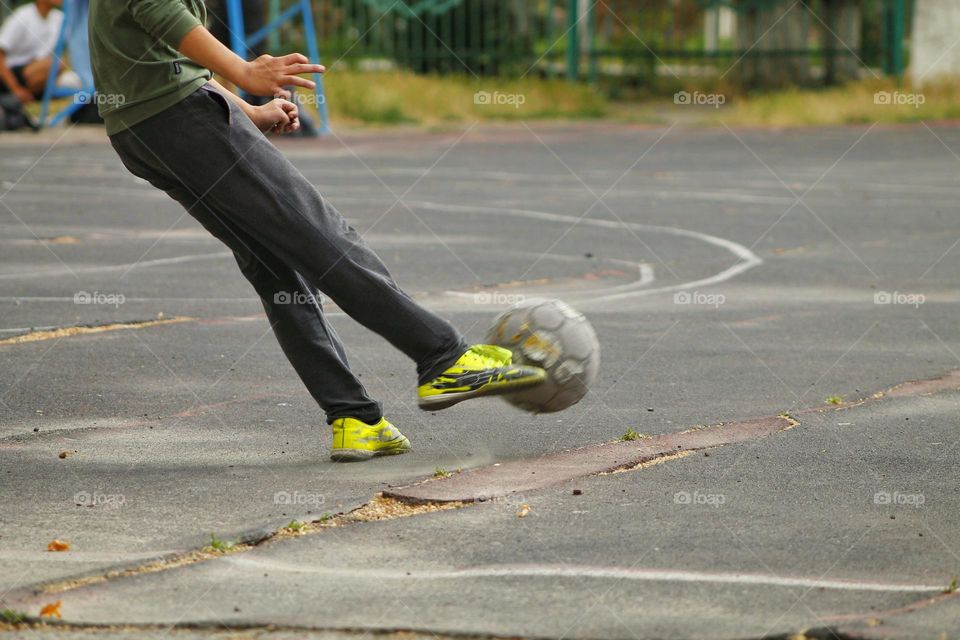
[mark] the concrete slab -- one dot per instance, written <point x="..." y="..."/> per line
<point x="698" y="547"/>
<point x="494" y="217"/>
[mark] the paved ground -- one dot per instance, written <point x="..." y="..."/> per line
<point x="730" y="275"/>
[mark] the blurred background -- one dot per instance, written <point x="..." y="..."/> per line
<point x="767" y="62"/>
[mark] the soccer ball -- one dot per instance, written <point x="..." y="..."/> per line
<point x="554" y="336"/>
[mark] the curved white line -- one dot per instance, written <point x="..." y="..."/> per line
<point x="748" y="259"/>
<point x="645" y="278"/>
<point x="602" y="573"/>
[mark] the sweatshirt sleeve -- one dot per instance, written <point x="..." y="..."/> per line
<point x="168" y="21"/>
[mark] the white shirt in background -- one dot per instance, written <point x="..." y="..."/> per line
<point x="26" y="36"/>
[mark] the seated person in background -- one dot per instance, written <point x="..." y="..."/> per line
<point x="27" y="40"/>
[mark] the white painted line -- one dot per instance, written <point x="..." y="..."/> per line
<point x="645" y="278"/>
<point x="126" y="300"/>
<point x="74" y="189"/>
<point x="717" y="195"/>
<point x="747" y="259"/>
<point x="579" y="572"/>
<point x="118" y="267"/>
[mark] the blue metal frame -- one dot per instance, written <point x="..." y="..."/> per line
<point x="83" y="96"/>
<point x="241" y="43"/>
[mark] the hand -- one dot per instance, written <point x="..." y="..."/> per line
<point x="278" y="115"/>
<point x="23" y="95"/>
<point x="266" y="76"/>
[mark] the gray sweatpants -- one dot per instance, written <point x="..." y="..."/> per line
<point x="289" y="242"/>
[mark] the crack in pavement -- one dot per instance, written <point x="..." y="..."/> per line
<point x="531" y="474"/>
<point x="494" y="482"/>
<point x="87" y="329"/>
<point x="35" y="625"/>
<point x="378" y="508"/>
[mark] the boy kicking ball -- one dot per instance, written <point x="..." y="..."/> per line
<point x="173" y="125"/>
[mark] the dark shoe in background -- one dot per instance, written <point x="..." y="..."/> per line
<point x="12" y="115"/>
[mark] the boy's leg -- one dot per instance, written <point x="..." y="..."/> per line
<point x="292" y="305"/>
<point x="35" y="75"/>
<point x="210" y="147"/>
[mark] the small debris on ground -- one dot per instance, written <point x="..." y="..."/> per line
<point x="51" y="610"/>
<point x="58" y="545"/>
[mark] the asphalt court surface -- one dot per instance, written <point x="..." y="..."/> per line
<point x="730" y="274"/>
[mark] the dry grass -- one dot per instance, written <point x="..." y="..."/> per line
<point x="850" y="104"/>
<point x="66" y="332"/>
<point x="398" y="97"/>
<point x="384" y="98"/>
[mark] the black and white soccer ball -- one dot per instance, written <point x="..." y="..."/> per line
<point x="552" y="335"/>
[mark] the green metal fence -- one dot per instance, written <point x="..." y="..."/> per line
<point x="481" y="37"/>
<point x="618" y="42"/>
<point x="756" y="42"/>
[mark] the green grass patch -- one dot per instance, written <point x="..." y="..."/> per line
<point x="834" y="400"/>
<point x="10" y="616"/>
<point x="296" y="526"/>
<point x="220" y="545"/>
<point x="632" y="435"/>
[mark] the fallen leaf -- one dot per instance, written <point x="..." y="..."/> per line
<point x="65" y="454"/>
<point x="58" y="545"/>
<point x="51" y="610"/>
<point x="524" y="510"/>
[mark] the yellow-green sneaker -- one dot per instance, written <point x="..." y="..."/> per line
<point x="484" y="370"/>
<point x="354" y="440"/>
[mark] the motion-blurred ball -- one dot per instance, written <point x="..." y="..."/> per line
<point x="554" y="336"/>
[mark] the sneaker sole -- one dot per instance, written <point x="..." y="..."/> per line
<point x="359" y="455"/>
<point x="447" y="400"/>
